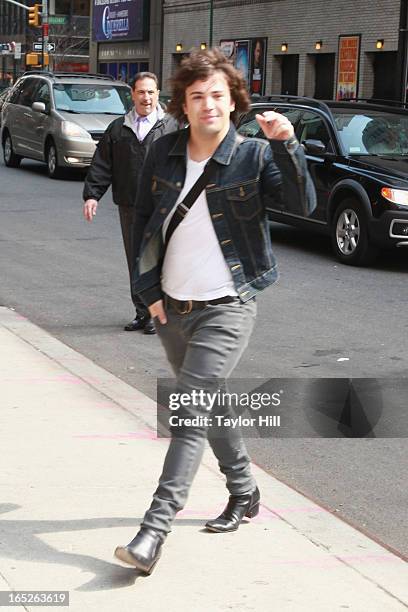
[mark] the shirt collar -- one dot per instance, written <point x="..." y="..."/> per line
<point x="151" y="118"/>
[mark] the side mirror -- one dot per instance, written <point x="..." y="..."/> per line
<point x="38" y="107"/>
<point x="314" y="147"/>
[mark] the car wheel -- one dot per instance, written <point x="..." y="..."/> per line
<point x="350" y="238"/>
<point x="54" y="170"/>
<point x="10" y="158"/>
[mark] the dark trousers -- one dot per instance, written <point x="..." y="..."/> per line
<point x="126" y="224"/>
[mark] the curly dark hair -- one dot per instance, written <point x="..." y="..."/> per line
<point x="200" y="65"/>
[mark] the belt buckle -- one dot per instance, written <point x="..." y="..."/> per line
<point x="187" y="308"/>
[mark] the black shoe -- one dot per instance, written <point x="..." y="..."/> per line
<point x="139" y="322"/>
<point x="149" y="328"/>
<point x="143" y="551"/>
<point x="238" y="507"/>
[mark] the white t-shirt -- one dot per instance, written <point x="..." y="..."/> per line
<point x="194" y="267"/>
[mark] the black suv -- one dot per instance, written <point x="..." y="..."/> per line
<point x="357" y="154"/>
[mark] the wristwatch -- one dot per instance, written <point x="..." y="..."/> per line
<point x="291" y="144"/>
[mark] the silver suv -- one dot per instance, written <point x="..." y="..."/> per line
<point x="60" y="117"/>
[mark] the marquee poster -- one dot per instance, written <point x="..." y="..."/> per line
<point x="348" y="60"/>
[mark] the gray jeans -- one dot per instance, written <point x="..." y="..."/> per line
<point x="202" y="346"/>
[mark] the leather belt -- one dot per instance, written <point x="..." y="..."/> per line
<point x="186" y="306"/>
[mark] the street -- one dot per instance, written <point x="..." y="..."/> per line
<point x="321" y="319"/>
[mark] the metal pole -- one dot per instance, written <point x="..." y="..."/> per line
<point x="211" y="22"/>
<point x="42" y="47"/>
<point x="44" y="27"/>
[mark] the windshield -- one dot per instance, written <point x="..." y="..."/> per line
<point x="106" y="98"/>
<point x="372" y="132"/>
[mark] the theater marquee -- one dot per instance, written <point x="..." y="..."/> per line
<point x="115" y="20"/>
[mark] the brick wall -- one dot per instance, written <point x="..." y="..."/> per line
<point x="300" y="23"/>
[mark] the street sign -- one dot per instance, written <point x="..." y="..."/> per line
<point x="17" y="51"/>
<point x="5" y="48"/>
<point x="37" y="46"/>
<point x="57" y="20"/>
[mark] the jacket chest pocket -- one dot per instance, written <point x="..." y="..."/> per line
<point x="158" y="187"/>
<point x="244" y="201"/>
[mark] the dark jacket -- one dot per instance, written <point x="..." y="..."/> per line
<point x="248" y="171"/>
<point x="119" y="158"/>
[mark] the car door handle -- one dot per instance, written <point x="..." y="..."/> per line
<point x="27" y="115"/>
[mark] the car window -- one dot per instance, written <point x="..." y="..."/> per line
<point x="5" y="93"/>
<point x="43" y="94"/>
<point x="26" y="97"/>
<point x="372" y="132"/>
<point x="313" y="127"/>
<point x="249" y="126"/>
<point x="16" y="92"/>
<point x="93" y="98"/>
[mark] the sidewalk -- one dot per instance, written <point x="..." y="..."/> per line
<point x="79" y="463"/>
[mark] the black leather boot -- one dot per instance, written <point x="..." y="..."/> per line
<point x="141" y="321"/>
<point x="238" y="507"/>
<point x="149" y="328"/>
<point x="143" y="551"/>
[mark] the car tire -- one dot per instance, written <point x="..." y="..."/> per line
<point x="349" y="233"/>
<point x="10" y="158"/>
<point x="51" y="157"/>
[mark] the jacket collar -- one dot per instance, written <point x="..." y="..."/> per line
<point x="223" y="153"/>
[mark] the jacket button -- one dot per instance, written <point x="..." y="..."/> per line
<point x="148" y="234"/>
<point x="235" y="267"/>
<point x="223" y="242"/>
<point x="163" y="211"/>
<point x="217" y="215"/>
<point x="178" y="184"/>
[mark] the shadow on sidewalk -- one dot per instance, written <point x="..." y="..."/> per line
<point x="19" y="541"/>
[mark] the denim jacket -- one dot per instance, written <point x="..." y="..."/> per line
<point x="248" y="172"/>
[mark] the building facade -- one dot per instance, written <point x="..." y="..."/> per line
<point x="126" y="37"/>
<point x="12" y="33"/>
<point x="320" y="48"/>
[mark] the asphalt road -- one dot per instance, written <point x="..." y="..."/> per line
<point x="321" y="320"/>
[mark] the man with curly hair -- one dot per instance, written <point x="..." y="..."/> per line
<point x="202" y="260"/>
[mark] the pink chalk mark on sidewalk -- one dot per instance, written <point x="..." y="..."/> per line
<point x="58" y="378"/>
<point x="142" y="434"/>
<point x="70" y="378"/>
<point x="332" y="561"/>
<point x="265" y="514"/>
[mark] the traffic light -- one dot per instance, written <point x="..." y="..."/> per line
<point x="34" y="59"/>
<point x="34" y="15"/>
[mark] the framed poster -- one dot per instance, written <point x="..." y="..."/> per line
<point x="228" y="48"/>
<point x="242" y="57"/>
<point x="248" y="56"/>
<point x="348" y="60"/>
<point x="257" y="66"/>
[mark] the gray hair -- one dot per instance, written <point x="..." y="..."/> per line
<point x="144" y="75"/>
